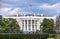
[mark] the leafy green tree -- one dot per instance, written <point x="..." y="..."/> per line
<point x="1" y="24"/>
<point x="8" y="25"/>
<point x="48" y="26"/>
<point x="14" y="26"/>
<point x="1" y="21"/>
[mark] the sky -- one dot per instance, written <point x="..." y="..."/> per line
<point x="46" y="7"/>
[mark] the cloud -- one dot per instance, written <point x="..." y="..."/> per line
<point x="7" y="5"/>
<point x="16" y="0"/>
<point x="12" y="11"/>
<point x="54" y="7"/>
<point x="4" y="9"/>
<point x="9" y="11"/>
<point x="23" y="6"/>
<point x="14" y="3"/>
<point x="18" y="11"/>
<point x="15" y="11"/>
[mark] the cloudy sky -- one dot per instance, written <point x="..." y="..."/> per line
<point x="47" y="7"/>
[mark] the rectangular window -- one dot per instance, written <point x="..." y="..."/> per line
<point x="29" y="22"/>
<point x="25" y="22"/>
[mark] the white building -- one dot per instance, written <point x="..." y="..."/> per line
<point x="29" y="22"/>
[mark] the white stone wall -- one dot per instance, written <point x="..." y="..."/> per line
<point x="39" y="21"/>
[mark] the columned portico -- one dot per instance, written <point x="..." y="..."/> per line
<point x="29" y="25"/>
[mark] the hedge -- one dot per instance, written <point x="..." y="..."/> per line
<point x="52" y="35"/>
<point x="23" y="36"/>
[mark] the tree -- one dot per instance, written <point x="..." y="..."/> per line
<point x="1" y="21"/>
<point x="48" y="26"/>
<point x="2" y="25"/>
<point x="14" y="26"/>
<point x="8" y="25"/>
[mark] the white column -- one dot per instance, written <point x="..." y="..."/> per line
<point x="31" y="25"/>
<point x="34" y="26"/>
<point x="37" y="25"/>
<point x="24" y="26"/>
<point x="27" y="26"/>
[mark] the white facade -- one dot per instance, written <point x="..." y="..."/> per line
<point x="30" y="23"/>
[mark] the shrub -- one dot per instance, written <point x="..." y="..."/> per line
<point x="23" y="36"/>
<point x="51" y="35"/>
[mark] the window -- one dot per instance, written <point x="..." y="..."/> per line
<point x="25" y="22"/>
<point x="35" y="21"/>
